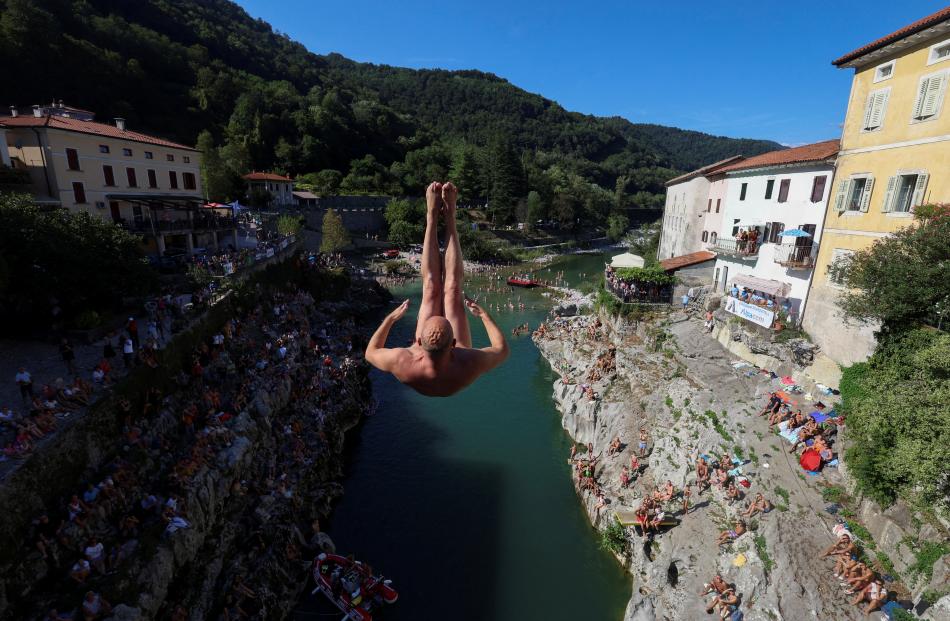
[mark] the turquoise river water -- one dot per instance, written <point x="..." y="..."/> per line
<point x="467" y="503"/>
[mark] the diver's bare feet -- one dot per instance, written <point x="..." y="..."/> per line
<point x="434" y="199"/>
<point x="450" y="195"/>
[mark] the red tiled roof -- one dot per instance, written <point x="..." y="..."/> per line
<point x="921" y="24"/>
<point x="262" y="176"/>
<point x="797" y="155"/>
<point x="686" y="260"/>
<point x="705" y="170"/>
<point x="87" y="127"/>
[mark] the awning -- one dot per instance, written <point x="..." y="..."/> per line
<point x="763" y="285"/>
<point x="627" y="260"/>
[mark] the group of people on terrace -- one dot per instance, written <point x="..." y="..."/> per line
<point x="629" y="290"/>
<point x="165" y="441"/>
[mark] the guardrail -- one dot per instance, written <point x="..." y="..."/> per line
<point x="795" y="256"/>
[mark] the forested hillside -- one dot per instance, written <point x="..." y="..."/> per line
<point x="204" y="72"/>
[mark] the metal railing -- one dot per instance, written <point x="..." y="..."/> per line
<point x="198" y="224"/>
<point x="737" y="248"/>
<point x="796" y="256"/>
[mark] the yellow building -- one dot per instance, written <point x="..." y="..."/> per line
<point x="143" y="183"/>
<point x="895" y="155"/>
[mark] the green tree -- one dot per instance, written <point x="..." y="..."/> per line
<point x="289" y="225"/>
<point x="898" y="419"/>
<point x="81" y="261"/>
<point x="404" y="210"/>
<point x="327" y="182"/>
<point x="504" y="179"/>
<point x="466" y="176"/>
<point x="220" y="182"/>
<point x="403" y="233"/>
<point x="617" y="225"/>
<point x="335" y="236"/>
<point x="901" y="279"/>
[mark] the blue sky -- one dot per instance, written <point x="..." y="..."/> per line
<point x="742" y="68"/>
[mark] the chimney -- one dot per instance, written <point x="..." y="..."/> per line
<point x="37" y="111"/>
<point x="120" y="123"/>
<point x="13" y="111"/>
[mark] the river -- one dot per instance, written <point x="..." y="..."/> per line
<point x="466" y="503"/>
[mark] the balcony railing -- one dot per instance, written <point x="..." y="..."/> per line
<point x="736" y="248"/>
<point x="796" y="256"/>
<point x="198" y="224"/>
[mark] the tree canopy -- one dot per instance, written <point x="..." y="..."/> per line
<point x="181" y="68"/>
<point x="335" y="236"/>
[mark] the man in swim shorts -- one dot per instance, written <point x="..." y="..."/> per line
<point x="441" y="360"/>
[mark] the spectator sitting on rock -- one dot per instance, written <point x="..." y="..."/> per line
<point x="80" y="571"/>
<point x="728" y="536"/>
<point x="94" y="606"/>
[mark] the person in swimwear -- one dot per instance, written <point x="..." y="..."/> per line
<point x="441" y="361"/>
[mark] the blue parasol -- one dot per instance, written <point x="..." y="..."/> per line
<point x="795" y="233"/>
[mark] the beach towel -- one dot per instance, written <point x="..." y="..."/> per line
<point x="790" y="436"/>
<point x="820" y="417"/>
<point x="787" y="380"/>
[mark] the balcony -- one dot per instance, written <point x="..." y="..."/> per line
<point x="179" y="225"/>
<point x="796" y="256"/>
<point x="735" y="248"/>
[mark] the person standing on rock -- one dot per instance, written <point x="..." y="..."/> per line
<point x="441" y="361"/>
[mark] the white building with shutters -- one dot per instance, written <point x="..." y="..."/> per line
<point x="688" y="208"/>
<point x="765" y="196"/>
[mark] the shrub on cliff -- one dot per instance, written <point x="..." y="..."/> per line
<point x="898" y="419"/>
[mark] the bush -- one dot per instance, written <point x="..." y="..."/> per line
<point x="614" y="537"/>
<point x="898" y="419"/>
<point x="87" y="320"/>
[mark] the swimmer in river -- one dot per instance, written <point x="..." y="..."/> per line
<point x="441" y="361"/>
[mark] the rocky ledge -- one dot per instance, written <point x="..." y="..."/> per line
<point x="671" y="378"/>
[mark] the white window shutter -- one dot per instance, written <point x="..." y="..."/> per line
<point x="929" y="107"/>
<point x="889" y="194"/>
<point x="880" y="105"/>
<point x="868" y="111"/>
<point x="866" y="195"/>
<point x="842" y="193"/>
<point x="921" y="96"/>
<point x="919" y="189"/>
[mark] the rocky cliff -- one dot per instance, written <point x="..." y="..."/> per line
<point x="678" y="383"/>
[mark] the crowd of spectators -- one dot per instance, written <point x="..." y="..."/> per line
<point x="166" y="440"/>
<point x="631" y="291"/>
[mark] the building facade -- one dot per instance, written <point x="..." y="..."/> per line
<point x="895" y="156"/>
<point x="145" y="184"/>
<point x="687" y="199"/>
<point x="767" y="196"/>
<point x="279" y="187"/>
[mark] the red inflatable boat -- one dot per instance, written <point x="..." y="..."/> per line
<point x="351" y="586"/>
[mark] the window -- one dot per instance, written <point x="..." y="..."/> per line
<point x="188" y="180"/>
<point x="127" y="152"/>
<point x="735" y="227"/>
<point x="173" y="179"/>
<point x="108" y="176"/>
<point x="79" y="193"/>
<point x="718" y="200"/>
<point x="130" y="174"/>
<point x="884" y="72"/>
<point x="149" y="155"/>
<point x="170" y="157"/>
<point x="152" y="180"/>
<point x="712" y="237"/>
<point x="769" y="185"/>
<point x="705" y="236"/>
<point x="939" y="52"/>
<point x="874" y="109"/>
<point x="186" y="159"/>
<point x="818" y="188"/>
<point x="854" y="194"/>
<point x="783" y="186"/>
<point x="838" y="268"/>
<point x="773" y="232"/>
<point x="929" y="96"/>
<point x="742" y="191"/>
<point x="72" y="159"/>
<point x="905" y="191"/>
<point x="103" y="148"/>
<point x="709" y="206"/>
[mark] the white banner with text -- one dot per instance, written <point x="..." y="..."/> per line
<point x="755" y="314"/>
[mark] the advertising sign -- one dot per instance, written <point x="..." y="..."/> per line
<point x="755" y="314"/>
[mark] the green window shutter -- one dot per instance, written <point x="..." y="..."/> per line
<point x="889" y="194"/>
<point x="919" y="189"/>
<point x="840" y="196"/>
<point x="866" y="195"/>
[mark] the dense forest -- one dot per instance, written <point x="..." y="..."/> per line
<point x="204" y="72"/>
